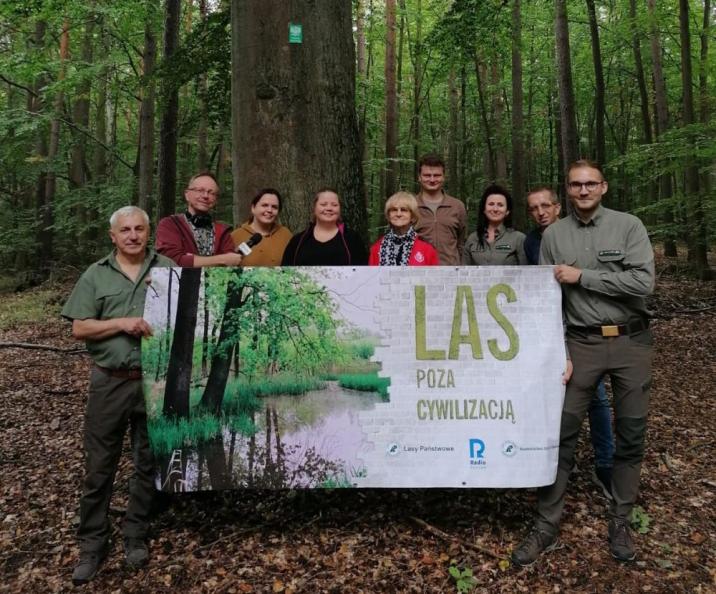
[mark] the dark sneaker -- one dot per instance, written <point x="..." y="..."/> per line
<point x="602" y="477"/>
<point x="136" y="553"/>
<point x="536" y="543"/>
<point x="620" y="542"/>
<point x="87" y="567"/>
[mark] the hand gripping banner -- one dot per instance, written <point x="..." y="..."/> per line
<point x="354" y="377"/>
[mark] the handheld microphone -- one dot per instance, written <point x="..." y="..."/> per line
<point x="245" y="246"/>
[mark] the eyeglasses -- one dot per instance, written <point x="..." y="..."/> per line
<point x="398" y="209"/>
<point x="212" y="193"/>
<point x="590" y="185"/>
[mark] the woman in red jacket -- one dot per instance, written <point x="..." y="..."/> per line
<point x="400" y="246"/>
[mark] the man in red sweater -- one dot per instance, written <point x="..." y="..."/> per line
<point x="194" y="239"/>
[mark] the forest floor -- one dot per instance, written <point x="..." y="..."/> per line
<point x="359" y="540"/>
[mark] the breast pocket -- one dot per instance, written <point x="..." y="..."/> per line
<point x="110" y="302"/>
<point x="611" y="256"/>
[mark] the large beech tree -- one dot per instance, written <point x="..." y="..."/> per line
<point x="293" y="105"/>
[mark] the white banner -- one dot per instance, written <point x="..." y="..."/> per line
<point x="284" y="374"/>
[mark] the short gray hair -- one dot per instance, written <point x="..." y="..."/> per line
<point x="127" y="211"/>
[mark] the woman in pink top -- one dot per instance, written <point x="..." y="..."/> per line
<point x="400" y="246"/>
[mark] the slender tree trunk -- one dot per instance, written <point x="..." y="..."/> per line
<point x="453" y="134"/>
<point x="600" y="152"/>
<point x="641" y="79"/>
<point x="35" y="105"/>
<point x="417" y="84"/>
<point x="518" y="123"/>
<point x="293" y="107"/>
<point x="662" y="123"/>
<point x="48" y="217"/>
<point x="491" y="161"/>
<point x="697" y="229"/>
<point x="178" y="387"/>
<point x="498" y="109"/>
<point x="99" y="157"/>
<point x="146" y="116"/>
<point x="391" y="98"/>
<point x="567" y="111"/>
<point x="168" y="137"/>
<point x="202" y="155"/>
<point x="80" y="112"/>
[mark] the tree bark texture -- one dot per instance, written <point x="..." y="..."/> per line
<point x="293" y="107"/>
<point x="168" y="136"/>
<point x="391" y="102"/>
<point x="567" y="111"/>
<point x="146" y="118"/>
<point x="600" y="145"/>
<point x="661" y="120"/>
<point x="697" y="231"/>
<point x="518" y="123"/>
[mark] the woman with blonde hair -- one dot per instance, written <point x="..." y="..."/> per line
<point x="400" y="246"/>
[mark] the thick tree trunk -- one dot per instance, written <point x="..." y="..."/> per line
<point x="567" y="111"/>
<point x="202" y="155"/>
<point x="178" y="386"/>
<point x="498" y="125"/>
<point x="518" y="123"/>
<point x="600" y="145"/>
<point x="146" y="117"/>
<point x="168" y="136"/>
<point x="293" y="107"/>
<point x="697" y="228"/>
<point x="391" y="102"/>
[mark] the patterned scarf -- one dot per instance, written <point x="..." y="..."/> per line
<point x="395" y="249"/>
<point x="203" y="235"/>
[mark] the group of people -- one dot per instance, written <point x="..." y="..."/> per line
<point x="602" y="259"/>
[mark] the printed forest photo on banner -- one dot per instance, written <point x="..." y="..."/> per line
<point x="367" y="377"/>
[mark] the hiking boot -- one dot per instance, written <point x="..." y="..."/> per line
<point x="136" y="553"/>
<point x="87" y="567"/>
<point x="620" y="542"/>
<point x="602" y="477"/>
<point x="536" y="543"/>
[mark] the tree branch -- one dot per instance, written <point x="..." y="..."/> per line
<point x="42" y="347"/>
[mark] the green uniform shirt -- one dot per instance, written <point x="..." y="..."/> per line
<point x="617" y="262"/>
<point x="507" y="249"/>
<point x="104" y="292"/>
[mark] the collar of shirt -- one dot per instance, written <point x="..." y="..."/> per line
<point x="500" y="231"/>
<point x="594" y="221"/>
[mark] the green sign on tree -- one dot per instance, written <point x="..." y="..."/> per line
<point x="295" y="33"/>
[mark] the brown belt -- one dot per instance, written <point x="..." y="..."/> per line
<point x="631" y="327"/>
<point x="131" y="373"/>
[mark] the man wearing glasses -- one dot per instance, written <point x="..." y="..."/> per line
<point x="194" y="239"/>
<point x="605" y="263"/>
<point x="544" y="208"/>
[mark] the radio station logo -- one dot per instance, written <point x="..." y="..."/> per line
<point x="477" y="452"/>
<point x="393" y="449"/>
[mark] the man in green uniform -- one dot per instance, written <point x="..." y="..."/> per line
<point x="605" y="263"/>
<point x="106" y="308"/>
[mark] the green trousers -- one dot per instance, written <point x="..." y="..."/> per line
<point x="114" y="404"/>
<point x="627" y="360"/>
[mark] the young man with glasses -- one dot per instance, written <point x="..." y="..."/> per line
<point x="544" y="208"/>
<point x="194" y="239"/>
<point x="605" y="263"/>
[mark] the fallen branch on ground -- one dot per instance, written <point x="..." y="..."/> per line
<point x="445" y="536"/>
<point x="41" y="347"/>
